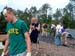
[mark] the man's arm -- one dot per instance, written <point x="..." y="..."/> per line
<point x="27" y="38"/>
<point x="6" y="45"/>
<point x="26" y="34"/>
<point x="2" y="37"/>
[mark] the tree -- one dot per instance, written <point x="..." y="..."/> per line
<point x="44" y="8"/>
<point x="68" y="18"/>
<point x="2" y="23"/>
<point x="20" y="14"/>
<point x="43" y="12"/>
<point x="33" y="11"/>
<point x="58" y="15"/>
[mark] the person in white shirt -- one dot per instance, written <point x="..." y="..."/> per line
<point x="58" y="34"/>
<point x="58" y="28"/>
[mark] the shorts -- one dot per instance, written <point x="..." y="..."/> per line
<point x="34" y="36"/>
<point x="20" y="54"/>
<point x="35" y="40"/>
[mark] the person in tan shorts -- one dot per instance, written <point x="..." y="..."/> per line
<point x="44" y="29"/>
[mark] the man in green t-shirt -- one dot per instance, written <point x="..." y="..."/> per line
<point x="17" y="39"/>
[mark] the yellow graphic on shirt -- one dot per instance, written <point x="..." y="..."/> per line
<point x="13" y="31"/>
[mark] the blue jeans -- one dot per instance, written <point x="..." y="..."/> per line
<point x="58" y="39"/>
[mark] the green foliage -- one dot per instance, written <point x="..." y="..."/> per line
<point x="66" y="15"/>
<point x="49" y="19"/>
<point x="57" y="14"/>
<point x="2" y="23"/>
<point x="1" y="51"/>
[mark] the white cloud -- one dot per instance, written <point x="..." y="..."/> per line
<point x="22" y="4"/>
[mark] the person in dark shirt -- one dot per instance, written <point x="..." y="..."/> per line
<point x="34" y="32"/>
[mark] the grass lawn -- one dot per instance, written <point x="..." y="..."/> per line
<point x="0" y="51"/>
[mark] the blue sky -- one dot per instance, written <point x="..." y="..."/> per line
<point x="22" y="4"/>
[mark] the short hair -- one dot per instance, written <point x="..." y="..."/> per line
<point x="8" y="9"/>
<point x="44" y="25"/>
<point x="34" y="19"/>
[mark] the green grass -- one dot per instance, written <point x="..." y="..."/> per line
<point x="48" y="29"/>
<point x="0" y="51"/>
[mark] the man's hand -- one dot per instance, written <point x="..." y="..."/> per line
<point x="28" y="54"/>
<point x="27" y="38"/>
<point x="2" y="54"/>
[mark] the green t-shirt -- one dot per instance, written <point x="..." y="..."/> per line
<point x="17" y="43"/>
